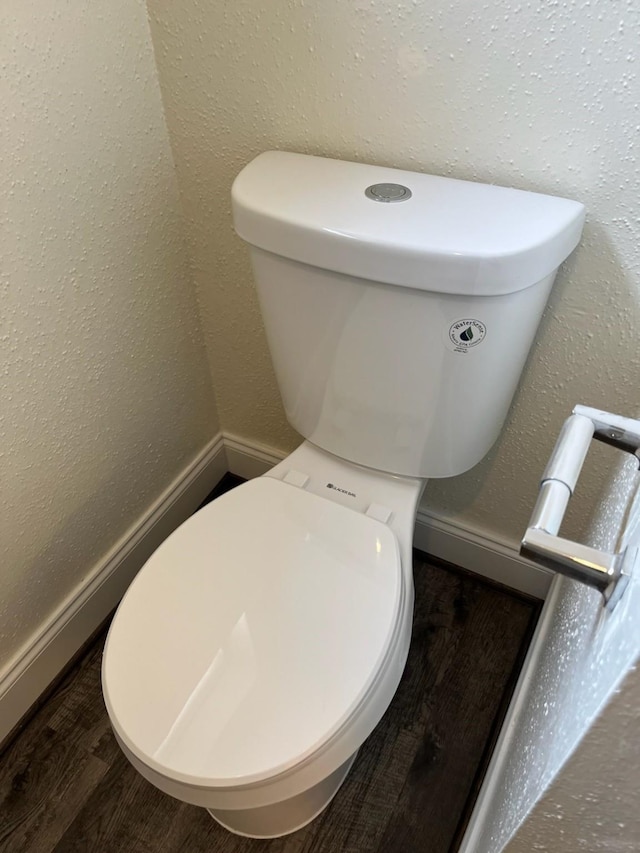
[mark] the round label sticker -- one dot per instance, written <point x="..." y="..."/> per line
<point x="466" y="333"/>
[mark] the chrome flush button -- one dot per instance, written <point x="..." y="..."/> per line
<point x="388" y="192"/>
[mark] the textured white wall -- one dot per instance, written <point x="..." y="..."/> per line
<point x="582" y="658"/>
<point x="105" y="391"/>
<point x="537" y="95"/>
<point x="592" y="805"/>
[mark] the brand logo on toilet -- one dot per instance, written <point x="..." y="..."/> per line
<point x="466" y="333"/>
<point x="343" y="491"/>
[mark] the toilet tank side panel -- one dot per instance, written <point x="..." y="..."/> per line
<point x="406" y="381"/>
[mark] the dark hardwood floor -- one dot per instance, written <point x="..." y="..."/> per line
<point x="65" y="786"/>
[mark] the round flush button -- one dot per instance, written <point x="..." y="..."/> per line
<point x="388" y="192"/>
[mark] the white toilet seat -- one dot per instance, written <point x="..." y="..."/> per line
<point x="206" y="678"/>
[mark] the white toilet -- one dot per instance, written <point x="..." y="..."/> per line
<point x="263" y="641"/>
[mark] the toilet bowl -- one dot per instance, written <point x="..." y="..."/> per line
<point x="260" y="645"/>
<point x="263" y="641"/>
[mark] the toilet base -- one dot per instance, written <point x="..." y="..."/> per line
<point x="287" y="816"/>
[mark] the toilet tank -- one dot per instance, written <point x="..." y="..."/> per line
<point x="399" y="307"/>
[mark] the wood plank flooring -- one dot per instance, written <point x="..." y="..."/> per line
<point x="65" y="786"/>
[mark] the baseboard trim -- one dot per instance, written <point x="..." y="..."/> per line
<point x="490" y="557"/>
<point x="249" y="459"/>
<point x="472" y="841"/>
<point x="474" y="550"/>
<point x="47" y="653"/>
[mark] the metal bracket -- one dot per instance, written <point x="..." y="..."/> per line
<point x="607" y="572"/>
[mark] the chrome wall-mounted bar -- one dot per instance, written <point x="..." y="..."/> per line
<point x="607" y="572"/>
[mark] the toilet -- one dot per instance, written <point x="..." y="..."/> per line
<point x="263" y="641"/>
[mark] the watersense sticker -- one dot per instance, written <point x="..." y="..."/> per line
<point x="466" y="334"/>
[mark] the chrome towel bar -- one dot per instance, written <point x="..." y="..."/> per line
<point x="607" y="572"/>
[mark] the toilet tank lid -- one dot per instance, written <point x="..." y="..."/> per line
<point x="449" y="236"/>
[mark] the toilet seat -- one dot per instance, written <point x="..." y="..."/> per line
<point x="252" y="635"/>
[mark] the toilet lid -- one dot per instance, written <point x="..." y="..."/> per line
<point x="251" y="635"/>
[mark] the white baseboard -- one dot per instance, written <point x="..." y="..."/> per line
<point x="29" y="674"/>
<point x="503" y="749"/>
<point x="474" y="550"/>
<point x="249" y="459"/>
<point x="488" y="556"/>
